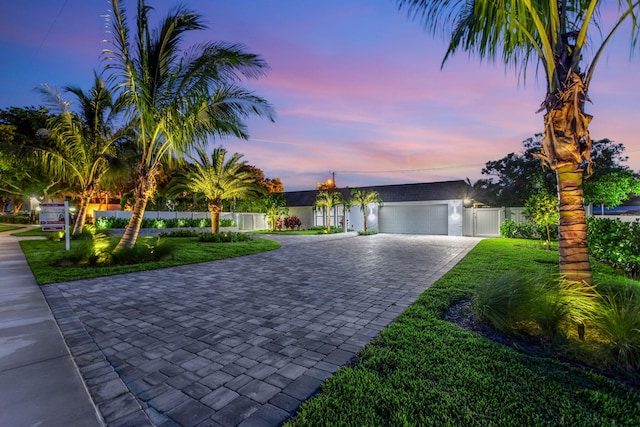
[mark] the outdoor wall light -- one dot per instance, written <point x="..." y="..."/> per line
<point x="371" y="216"/>
<point x="455" y="215"/>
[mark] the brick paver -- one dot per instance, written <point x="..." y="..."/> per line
<point x="241" y="341"/>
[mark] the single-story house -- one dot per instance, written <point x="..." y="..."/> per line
<point x="424" y="208"/>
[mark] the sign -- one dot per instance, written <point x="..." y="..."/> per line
<point x="55" y="217"/>
<point x="52" y="216"/>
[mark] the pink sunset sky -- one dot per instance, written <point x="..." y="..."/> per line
<point x="357" y="87"/>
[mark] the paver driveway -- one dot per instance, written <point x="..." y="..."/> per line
<point x="242" y="340"/>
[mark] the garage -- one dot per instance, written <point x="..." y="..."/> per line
<point x="409" y="218"/>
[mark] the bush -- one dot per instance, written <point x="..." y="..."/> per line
<point x="369" y="232"/>
<point x="15" y="219"/>
<point x="617" y="321"/>
<point x="227" y="223"/>
<point x="616" y="243"/>
<point x="292" y="223"/>
<point x="180" y="233"/>
<point x="223" y="237"/>
<point x="140" y="253"/>
<point x="520" y="305"/>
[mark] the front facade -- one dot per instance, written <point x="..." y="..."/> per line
<point x="424" y="208"/>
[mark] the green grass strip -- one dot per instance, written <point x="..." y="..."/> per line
<point x="425" y="371"/>
<point x="43" y="254"/>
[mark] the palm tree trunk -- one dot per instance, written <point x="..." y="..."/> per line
<point x="572" y="232"/>
<point x="82" y="214"/>
<point x="215" y="208"/>
<point x="364" y="217"/>
<point x="328" y="220"/>
<point x="141" y="194"/>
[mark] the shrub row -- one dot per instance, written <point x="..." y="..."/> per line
<point x="15" y="219"/>
<point x="104" y="223"/>
<point x="526" y="230"/>
<point x="209" y="237"/>
<point x="616" y="243"/>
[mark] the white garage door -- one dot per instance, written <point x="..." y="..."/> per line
<point x="414" y="219"/>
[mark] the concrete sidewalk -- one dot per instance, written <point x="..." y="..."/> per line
<point x="39" y="382"/>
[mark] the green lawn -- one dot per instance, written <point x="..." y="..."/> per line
<point x="10" y="227"/>
<point x="425" y="371"/>
<point x="42" y="254"/>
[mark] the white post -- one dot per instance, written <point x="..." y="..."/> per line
<point x="67" y="243"/>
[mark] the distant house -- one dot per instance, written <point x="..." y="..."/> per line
<point x="425" y="208"/>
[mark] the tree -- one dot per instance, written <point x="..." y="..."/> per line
<point x="542" y="209"/>
<point x="20" y="176"/>
<point x="272" y="185"/>
<point x="220" y="179"/>
<point x="177" y="98"/>
<point x="555" y="35"/>
<point x="327" y="200"/>
<point x="364" y="198"/>
<point x="84" y="141"/>
<point x="611" y="183"/>
<point x="274" y="208"/>
<point x="519" y="176"/>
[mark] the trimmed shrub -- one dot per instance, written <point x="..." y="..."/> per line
<point x="223" y="237"/>
<point x="227" y="223"/>
<point x="616" y="243"/>
<point x="15" y="219"/>
<point x="180" y="233"/>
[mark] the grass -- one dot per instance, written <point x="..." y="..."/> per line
<point x="43" y="254"/>
<point x="423" y="370"/>
<point x="10" y="227"/>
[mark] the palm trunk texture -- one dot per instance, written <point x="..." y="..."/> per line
<point x="78" y="225"/>
<point x="566" y="145"/>
<point x="572" y="231"/>
<point x="130" y="235"/>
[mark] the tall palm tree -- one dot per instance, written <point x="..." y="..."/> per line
<point x="327" y="200"/>
<point x="83" y="148"/>
<point x="554" y="34"/>
<point x="177" y="97"/>
<point x="364" y="198"/>
<point x="219" y="180"/>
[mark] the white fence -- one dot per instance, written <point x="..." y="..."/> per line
<point x="244" y="221"/>
<point x="486" y="222"/>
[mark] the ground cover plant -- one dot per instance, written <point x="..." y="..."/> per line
<point x="316" y="229"/>
<point x="426" y="370"/>
<point x="50" y="263"/>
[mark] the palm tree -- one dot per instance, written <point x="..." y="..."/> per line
<point x="177" y="98"/>
<point x="363" y="198"/>
<point x="327" y="200"/>
<point x="555" y="34"/>
<point x="83" y="149"/>
<point x="219" y="180"/>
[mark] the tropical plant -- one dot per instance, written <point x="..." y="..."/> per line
<point x="327" y="200"/>
<point x="176" y="97"/>
<point x="364" y="198"/>
<point x="542" y="210"/>
<point x="219" y="179"/>
<point x="555" y="34"/>
<point x="83" y="149"/>
<point x="274" y="208"/>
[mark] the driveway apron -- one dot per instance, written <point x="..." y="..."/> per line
<point x="241" y="341"/>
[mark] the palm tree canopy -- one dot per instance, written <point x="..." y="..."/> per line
<point x="218" y="178"/>
<point x="181" y="97"/>
<point x="516" y="31"/>
<point x="363" y="198"/>
<point x="328" y="199"/>
<point x="84" y="139"/>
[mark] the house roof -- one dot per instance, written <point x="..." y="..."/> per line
<point x="444" y="190"/>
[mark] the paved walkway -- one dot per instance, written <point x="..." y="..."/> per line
<point x="39" y="382"/>
<point x="241" y="341"/>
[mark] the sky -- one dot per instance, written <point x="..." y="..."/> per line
<point x="357" y="86"/>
